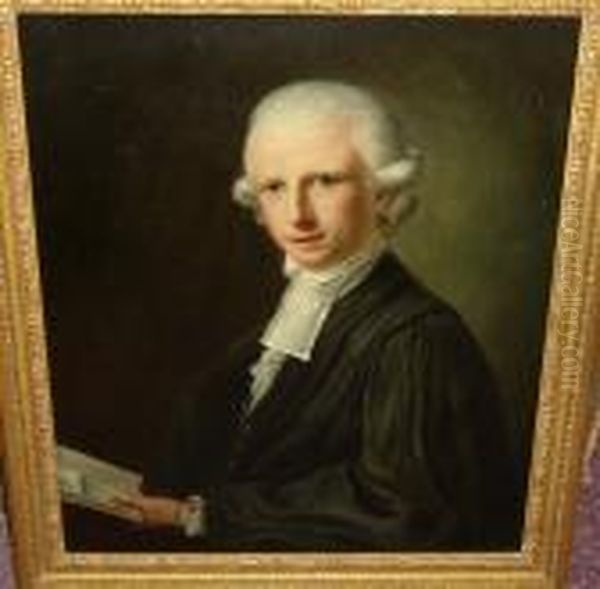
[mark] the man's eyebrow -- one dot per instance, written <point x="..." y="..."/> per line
<point x="260" y="183"/>
<point x="334" y="174"/>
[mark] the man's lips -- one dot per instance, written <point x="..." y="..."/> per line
<point x="305" y="239"/>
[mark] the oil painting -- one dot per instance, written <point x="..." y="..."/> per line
<point x="304" y="286"/>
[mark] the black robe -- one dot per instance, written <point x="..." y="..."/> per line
<point x="390" y="438"/>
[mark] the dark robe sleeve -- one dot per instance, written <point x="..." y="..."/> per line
<point x="433" y="471"/>
<point x="198" y="426"/>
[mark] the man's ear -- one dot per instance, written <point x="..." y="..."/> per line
<point x="393" y="207"/>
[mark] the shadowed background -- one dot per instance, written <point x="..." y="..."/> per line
<point x="149" y="271"/>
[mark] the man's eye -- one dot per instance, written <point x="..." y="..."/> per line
<point x="328" y="180"/>
<point x="274" y="188"/>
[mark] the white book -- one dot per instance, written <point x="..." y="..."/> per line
<point x="96" y="484"/>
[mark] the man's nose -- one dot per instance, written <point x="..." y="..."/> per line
<point x="299" y="207"/>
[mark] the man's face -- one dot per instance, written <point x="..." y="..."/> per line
<point x="312" y="190"/>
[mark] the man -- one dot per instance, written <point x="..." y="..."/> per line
<point x="363" y="416"/>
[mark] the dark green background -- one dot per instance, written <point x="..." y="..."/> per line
<point x="149" y="271"/>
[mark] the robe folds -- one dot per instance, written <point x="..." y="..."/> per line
<point x="391" y="437"/>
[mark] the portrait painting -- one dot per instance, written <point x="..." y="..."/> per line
<point x="296" y="292"/>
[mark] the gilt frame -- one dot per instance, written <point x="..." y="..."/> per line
<point x="33" y="501"/>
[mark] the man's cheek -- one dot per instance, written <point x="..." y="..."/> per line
<point x="271" y="229"/>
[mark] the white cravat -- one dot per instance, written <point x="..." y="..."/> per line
<point x="304" y="306"/>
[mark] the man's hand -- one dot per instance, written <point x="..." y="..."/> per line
<point x="152" y="511"/>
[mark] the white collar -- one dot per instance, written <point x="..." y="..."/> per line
<point x="308" y="298"/>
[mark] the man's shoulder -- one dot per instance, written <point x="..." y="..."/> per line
<point x="403" y="297"/>
<point x="402" y="305"/>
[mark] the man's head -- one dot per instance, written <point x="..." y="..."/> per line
<point x="321" y="168"/>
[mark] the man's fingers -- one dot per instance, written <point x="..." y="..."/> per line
<point x="129" y="508"/>
<point x="151" y="511"/>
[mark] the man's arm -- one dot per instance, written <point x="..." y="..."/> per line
<point x="433" y="471"/>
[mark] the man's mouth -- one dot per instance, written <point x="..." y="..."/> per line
<point x="306" y="239"/>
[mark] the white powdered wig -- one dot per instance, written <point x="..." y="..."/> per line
<point x="375" y="136"/>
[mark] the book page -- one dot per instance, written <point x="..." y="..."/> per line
<point x="93" y="483"/>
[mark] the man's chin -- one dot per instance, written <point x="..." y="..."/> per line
<point x="313" y="260"/>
